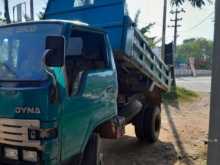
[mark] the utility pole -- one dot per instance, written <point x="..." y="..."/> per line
<point x="164" y="30"/>
<point x="214" y="126"/>
<point x="175" y="26"/>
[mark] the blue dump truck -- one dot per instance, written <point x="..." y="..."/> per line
<point x="65" y="84"/>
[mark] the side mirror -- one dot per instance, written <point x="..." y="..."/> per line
<point x="54" y="54"/>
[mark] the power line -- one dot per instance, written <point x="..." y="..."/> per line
<point x="200" y="23"/>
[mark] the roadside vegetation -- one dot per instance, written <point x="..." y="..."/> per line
<point x="179" y="94"/>
<point x="199" y="49"/>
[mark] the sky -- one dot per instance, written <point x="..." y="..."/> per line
<point x="196" y="22"/>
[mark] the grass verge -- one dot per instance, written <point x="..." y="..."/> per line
<point x="180" y="94"/>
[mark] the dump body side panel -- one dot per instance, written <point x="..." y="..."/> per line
<point x="105" y="14"/>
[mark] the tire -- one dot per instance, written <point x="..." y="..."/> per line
<point x="92" y="154"/>
<point x="147" y="125"/>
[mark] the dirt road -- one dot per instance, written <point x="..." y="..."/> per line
<point x="184" y="130"/>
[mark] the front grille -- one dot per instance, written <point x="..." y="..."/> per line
<point x="15" y="132"/>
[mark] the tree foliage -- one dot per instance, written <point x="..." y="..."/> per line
<point x="137" y="15"/>
<point x="41" y="15"/>
<point x="6" y="10"/>
<point x="195" y="3"/>
<point x="2" y="21"/>
<point x="200" y="49"/>
<point x="146" y="31"/>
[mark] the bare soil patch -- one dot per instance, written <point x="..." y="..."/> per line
<point x="184" y="131"/>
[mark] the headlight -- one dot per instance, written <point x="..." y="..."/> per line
<point x="30" y="156"/>
<point x="11" y="153"/>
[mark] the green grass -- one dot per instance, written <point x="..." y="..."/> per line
<point x="179" y="94"/>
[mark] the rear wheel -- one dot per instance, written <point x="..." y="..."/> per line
<point x="147" y="124"/>
<point x="92" y="154"/>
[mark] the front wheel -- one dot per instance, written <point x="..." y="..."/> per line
<point x="92" y="154"/>
<point x="147" y="124"/>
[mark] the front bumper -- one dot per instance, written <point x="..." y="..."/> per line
<point x="20" y="161"/>
<point x="14" y="133"/>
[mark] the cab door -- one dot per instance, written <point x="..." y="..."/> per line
<point x="91" y="83"/>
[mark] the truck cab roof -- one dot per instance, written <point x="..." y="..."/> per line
<point x="75" y="23"/>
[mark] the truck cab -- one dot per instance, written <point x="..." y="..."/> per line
<point x="64" y="84"/>
<point x="58" y="84"/>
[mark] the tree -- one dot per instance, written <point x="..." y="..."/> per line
<point x="145" y="31"/>
<point x="7" y="15"/>
<point x="2" y="21"/>
<point x="41" y="14"/>
<point x="137" y="15"/>
<point x="200" y="49"/>
<point x="195" y="3"/>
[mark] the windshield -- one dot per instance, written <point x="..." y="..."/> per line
<point x="21" y="51"/>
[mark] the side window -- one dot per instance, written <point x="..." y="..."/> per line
<point x="85" y="51"/>
<point x="80" y="3"/>
<point x="75" y="46"/>
<point x="88" y="48"/>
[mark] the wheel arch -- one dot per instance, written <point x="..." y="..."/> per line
<point x="92" y="128"/>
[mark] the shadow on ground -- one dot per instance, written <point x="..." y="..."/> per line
<point x="128" y="151"/>
<point x="179" y="145"/>
<point x="183" y="155"/>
